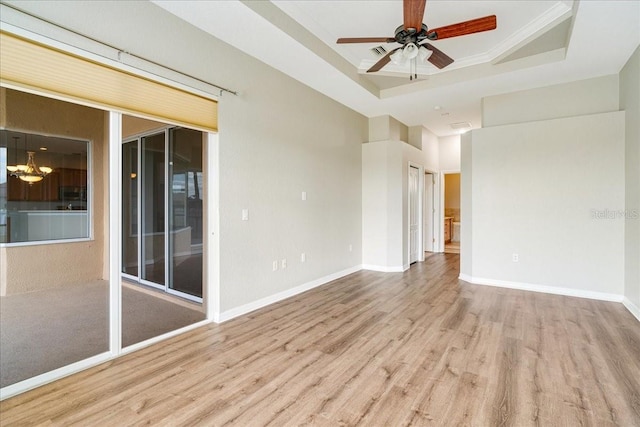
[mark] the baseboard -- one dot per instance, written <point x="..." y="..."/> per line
<point x="255" y="305"/>
<point x="54" y="375"/>
<point x="579" y="293"/>
<point x="633" y="309"/>
<point x="385" y="269"/>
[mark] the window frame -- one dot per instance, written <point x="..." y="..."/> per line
<point x="89" y="191"/>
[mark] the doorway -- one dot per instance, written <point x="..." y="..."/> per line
<point x="162" y="232"/>
<point x="452" y="213"/>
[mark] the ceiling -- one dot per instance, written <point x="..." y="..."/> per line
<point x="536" y="43"/>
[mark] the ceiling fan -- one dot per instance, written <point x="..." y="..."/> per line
<point x="413" y="32"/>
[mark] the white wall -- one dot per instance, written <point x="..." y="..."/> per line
<point x="382" y="205"/>
<point x="449" y="153"/>
<point x="537" y="191"/>
<point x="583" y="97"/>
<point x="272" y="148"/>
<point x="630" y="103"/>
<point x="385" y="171"/>
<point x="429" y="143"/>
<point x="466" y="203"/>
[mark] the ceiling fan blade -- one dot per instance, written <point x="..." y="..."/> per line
<point x="366" y="40"/>
<point x="413" y="13"/>
<point x="382" y="62"/>
<point x="438" y="57"/>
<point x="478" y="25"/>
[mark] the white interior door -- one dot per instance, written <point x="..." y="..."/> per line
<point x="429" y="212"/>
<point x="414" y="215"/>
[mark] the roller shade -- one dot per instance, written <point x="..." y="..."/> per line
<point x="32" y="66"/>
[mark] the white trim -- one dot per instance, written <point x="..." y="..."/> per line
<point x="440" y="224"/>
<point x="139" y="345"/>
<point x="556" y="290"/>
<point x="114" y="235"/>
<point x="46" y="242"/>
<point x="74" y="368"/>
<point x="56" y="374"/>
<point x="211" y="251"/>
<point x="434" y="213"/>
<point x="633" y="309"/>
<point x="420" y="202"/>
<point x="263" y="302"/>
<point x="385" y="269"/>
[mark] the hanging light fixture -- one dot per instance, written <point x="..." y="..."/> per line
<point x="30" y="172"/>
<point x="411" y="53"/>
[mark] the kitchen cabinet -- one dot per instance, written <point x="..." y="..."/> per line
<point x="73" y="177"/>
<point x="45" y="190"/>
<point x="72" y="181"/>
<point x="448" y="222"/>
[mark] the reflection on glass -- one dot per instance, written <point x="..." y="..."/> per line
<point x="165" y="257"/>
<point x="185" y="149"/>
<point x="54" y="301"/>
<point x="43" y="188"/>
<point x="130" y="208"/>
<point x="152" y="208"/>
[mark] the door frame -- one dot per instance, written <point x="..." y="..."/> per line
<point x="167" y="211"/>
<point x="441" y="223"/>
<point x="434" y="213"/>
<point x="420" y="204"/>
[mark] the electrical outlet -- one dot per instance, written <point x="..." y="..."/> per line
<point x="515" y="257"/>
<point x="245" y="214"/>
<point x="275" y="265"/>
<point x="350" y="248"/>
<point x="303" y="257"/>
<point x="304" y="195"/>
<point x="283" y="264"/>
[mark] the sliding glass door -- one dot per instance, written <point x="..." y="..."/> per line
<point x="185" y="205"/>
<point x="162" y="211"/>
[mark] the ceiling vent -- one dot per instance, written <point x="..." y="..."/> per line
<point x="379" y="51"/>
<point x="460" y="125"/>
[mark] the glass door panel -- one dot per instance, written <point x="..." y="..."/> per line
<point x="130" y="208"/>
<point x="153" y="208"/>
<point x="185" y="211"/>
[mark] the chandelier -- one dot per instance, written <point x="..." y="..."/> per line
<point x="30" y="172"/>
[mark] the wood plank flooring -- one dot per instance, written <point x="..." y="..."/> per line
<point x="415" y="348"/>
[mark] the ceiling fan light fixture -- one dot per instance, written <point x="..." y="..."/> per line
<point x="424" y="53"/>
<point x="398" y="57"/>
<point x="410" y="51"/>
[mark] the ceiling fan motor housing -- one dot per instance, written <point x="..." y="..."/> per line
<point x="410" y="35"/>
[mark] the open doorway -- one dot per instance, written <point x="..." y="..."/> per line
<point x="451" y="218"/>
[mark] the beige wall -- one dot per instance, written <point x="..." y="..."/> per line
<point x="135" y="125"/>
<point x="539" y="191"/>
<point x="387" y="128"/>
<point x="64" y="263"/>
<point x="452" y="191"/>
<point x="584" y="97"/>
<point x="630" y="103"/>
<point x="449" y="153"/>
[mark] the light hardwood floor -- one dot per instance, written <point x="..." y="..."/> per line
<point x="414" y="348"/>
